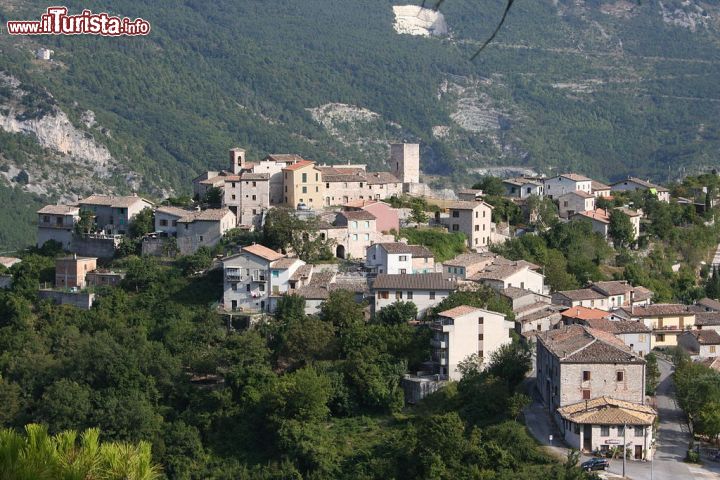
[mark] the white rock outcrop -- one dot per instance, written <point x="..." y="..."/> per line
<point x="415" y="20"/>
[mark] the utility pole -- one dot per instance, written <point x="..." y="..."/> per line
<point x="624" y="445"/>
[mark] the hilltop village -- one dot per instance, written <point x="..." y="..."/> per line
<point x="286" y="228"/>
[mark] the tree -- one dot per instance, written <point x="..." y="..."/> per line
<point x="712" y="286"/>
<point x="86" y="224"/>
<point x="621" y="229"/>
<point x="397" y="313"/>
<point x="213" y="197"/>
<point x="284" y="230"/>
<point x="652" y="374"/>
<point x="490" y="186"/>
<point x="40" y="456"/>
<point x="541" y="212"/>
<point x="142" y="223"/>
<point x="342" y="310"/>
<point x="417" y="214"/>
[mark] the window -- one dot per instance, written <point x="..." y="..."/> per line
<point x="398" y="295"/>
<point x="403" y="258"/>
<point x="367" y="236"/>
<point x="174" y="223"/>
<point x="481" y="320"/>
<point x="403" y="271"/>
<point x="201" y="238"/>
<point x="456" y="213"/>
<point x="586" y="375"/>
<point x="432" y="295"/>
<point x="247" y="287"/>
<point x="641" y="337"/>
<point x="477" y="228"/>
<point x="327" y="185"/>
<point x="354" y="225"/>
<point x="304" y="178"/>
<point x="621" y="430"/>
<point x="384" y="295"/>
<point x="163" y="223"/>
<point x="712" y="348"/>
<point x="480" y="337"/>
<point x="639" y="431"/>
<point x="304" y="189"/>
<point x="367" y="225"/>
<point x="355" y="237"/>
<point x="660" y="337"/>
<point x="409" y="295"/>
<point x="254" y="197"/>
<point x="619" y="376"/>
<point x="262" y="287"/>
<point x="586" y="394"/>
<point x="254" y="184"/>
<point x="275" y="273"/>
<point x="455" y="227"/>
<point x="46" y="219"/>
<point x="233" y="197"/>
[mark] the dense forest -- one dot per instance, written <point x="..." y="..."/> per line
<point x="297" y="396"/>
<point x="588" y="87"/>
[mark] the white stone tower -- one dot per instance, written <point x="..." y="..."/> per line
<point x="405" y="161"/>
<point x="237" y="159"/>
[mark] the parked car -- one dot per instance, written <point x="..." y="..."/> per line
<point x="595" y="464"/>
<point x="302" y="206"/>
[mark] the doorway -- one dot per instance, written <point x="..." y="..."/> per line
<point x="638" y="452"/>
<point x="587" y="438"/>
<point x="340" y="251"/>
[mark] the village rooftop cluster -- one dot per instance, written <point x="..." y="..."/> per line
<point x="590" y="342"/>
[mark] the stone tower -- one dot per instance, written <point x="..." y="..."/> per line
<point x="405" y="161"/>
<point x="237" y="160"/>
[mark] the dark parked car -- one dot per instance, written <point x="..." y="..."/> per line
<point x="595" y="464"/>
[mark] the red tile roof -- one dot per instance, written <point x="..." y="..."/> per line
<point x="299" y="165"/>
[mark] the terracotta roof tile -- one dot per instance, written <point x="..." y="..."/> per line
<point x="59" y="210"/>
<point x="263" y="252"/>
<point x="419" y="281"/>
<point x="299" y="165"/>
<point x="608" y="411"/>
<point x="460" y="311"/>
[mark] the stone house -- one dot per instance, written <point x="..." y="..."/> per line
<point x="700" y="343"/>
<point x="203" y="228"/>
<point x="474" y="219"/>
<point x="57" y="222"/>
<point x="577" y="363"/>
<point x="574" y="202"/>
<point x="503" y="273"/>
<point x="113" y="214"/>
<point x="522" y="187"/>
<point x="555" y="187"/>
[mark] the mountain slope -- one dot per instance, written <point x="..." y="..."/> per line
<point x="605" y="87"/>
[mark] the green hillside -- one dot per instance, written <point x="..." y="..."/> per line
<point x="606" y="88"/>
